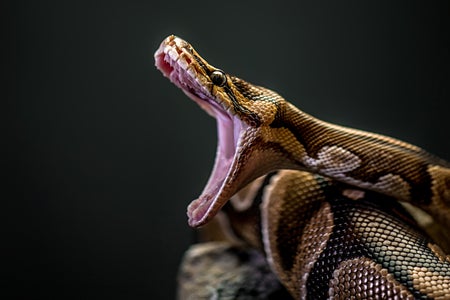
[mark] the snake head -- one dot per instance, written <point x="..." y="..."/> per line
<point x="242" y="111"/>
<point x="212" y="88"/>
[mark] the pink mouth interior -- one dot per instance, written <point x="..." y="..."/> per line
<point x="174" y="65"/>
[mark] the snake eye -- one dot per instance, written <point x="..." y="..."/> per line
<point x="218" y="78"/>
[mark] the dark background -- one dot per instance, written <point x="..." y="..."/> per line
<point x="103" y="154"/>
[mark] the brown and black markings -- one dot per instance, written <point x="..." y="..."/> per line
<point x="321" y="240"/>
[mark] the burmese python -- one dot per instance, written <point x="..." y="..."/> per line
<point x="319" y="199"/>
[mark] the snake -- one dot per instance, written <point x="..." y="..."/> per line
<point x="324" y="203"/>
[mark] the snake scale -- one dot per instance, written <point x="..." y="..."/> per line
<point x="321" y="201"/>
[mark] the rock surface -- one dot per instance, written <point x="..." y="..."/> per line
<point x="220" y="270"/>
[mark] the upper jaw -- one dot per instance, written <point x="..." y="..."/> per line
<point x="174" y="60"/>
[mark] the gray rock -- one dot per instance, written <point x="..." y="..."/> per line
<point x="220" y="270"/>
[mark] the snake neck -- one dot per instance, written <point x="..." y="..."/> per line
<point x="365" y="160"/>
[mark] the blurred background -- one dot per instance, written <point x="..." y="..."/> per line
<point x="103" y="154"/>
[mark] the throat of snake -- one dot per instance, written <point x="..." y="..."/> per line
<point x="220" y="185"/>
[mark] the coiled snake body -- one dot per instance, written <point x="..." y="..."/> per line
<point x="327" y="216"/>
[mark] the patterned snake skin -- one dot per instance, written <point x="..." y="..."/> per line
<point x="331" y="227"/>
<point x="322" y="244"/>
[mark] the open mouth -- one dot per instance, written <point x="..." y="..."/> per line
<point x="176" y="63"/>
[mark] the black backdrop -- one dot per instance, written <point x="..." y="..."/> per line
<point x="103" y="154"/>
